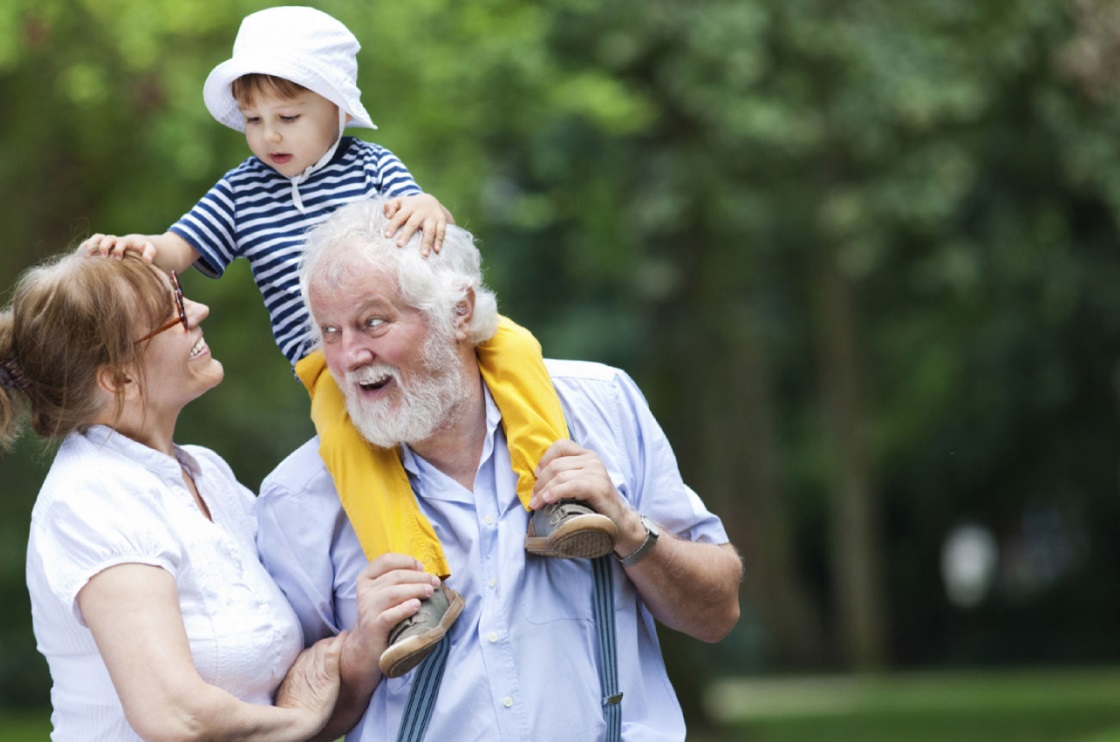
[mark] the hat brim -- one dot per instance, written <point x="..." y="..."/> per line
<point x="222" y="106"/>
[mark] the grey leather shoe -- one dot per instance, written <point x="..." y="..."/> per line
<point x="414" y="638"/>
<point x="570" y="530"/>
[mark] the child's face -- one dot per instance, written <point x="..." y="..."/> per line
<point x="290" y="134"/>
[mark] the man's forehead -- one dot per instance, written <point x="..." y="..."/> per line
<point x="354" y="274"/>
<point x="355" y="285"/>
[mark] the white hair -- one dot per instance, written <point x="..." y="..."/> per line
<point x="435" y="284"/>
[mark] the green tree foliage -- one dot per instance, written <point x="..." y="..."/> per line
<point x="860" y="255"/>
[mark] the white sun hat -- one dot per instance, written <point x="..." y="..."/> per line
<point x="303" y="45"/>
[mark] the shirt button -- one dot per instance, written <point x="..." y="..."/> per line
<point x="493" y="581"/>
<point x="492" y="636"/>
<point x="489" y="519"/>
<point x="507" y="701"/>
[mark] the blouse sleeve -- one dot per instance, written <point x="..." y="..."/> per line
<point x="96" y="524"/>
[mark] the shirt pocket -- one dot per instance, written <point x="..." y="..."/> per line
<point x="556" y="590"/>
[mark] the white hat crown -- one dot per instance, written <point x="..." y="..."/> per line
<point x="303" y="45"/>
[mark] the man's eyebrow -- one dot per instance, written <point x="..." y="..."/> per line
<point x="374" y="304"/>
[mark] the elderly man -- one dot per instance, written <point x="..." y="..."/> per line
<point x="535" y="654"/>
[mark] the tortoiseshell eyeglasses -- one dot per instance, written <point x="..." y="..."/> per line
<point x="181" y="319"/>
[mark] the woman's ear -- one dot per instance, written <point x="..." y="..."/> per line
<point x="116" y="388"/>
<point x="464" y="313"/>
<point x="116" y="383"/>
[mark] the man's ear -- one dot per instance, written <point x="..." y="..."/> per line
<point x="464" y="313"/>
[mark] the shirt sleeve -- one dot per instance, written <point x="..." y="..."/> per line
<point x="210" y="228"/>
<point x="296" y="527"/>
<point x="98" y="528"/>
<point x="610" y="415"/>
<point x="390" y="174"/>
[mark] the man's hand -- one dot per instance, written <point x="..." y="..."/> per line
<point x="568" y="471"/>
<point x="389" y="590"/>
<point x="423" y="212"/>
<point x="689" y="586"/>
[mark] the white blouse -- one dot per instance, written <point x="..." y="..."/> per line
<point x="108" y="500"/>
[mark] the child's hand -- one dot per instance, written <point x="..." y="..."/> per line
<point x="424" y="212"/>
<point x="108" y="245"/>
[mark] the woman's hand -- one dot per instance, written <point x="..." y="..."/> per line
<point x="312" y="683"/>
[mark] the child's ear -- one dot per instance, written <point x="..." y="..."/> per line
<point x="464" y="313"/>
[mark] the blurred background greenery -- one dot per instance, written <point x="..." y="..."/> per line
<point x="860" y="255"/>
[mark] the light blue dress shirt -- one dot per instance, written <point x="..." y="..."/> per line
<point x="524" y="653"/>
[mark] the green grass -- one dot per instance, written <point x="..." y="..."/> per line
<point x="1022" y="706"/>
<point x="24" y="726"/>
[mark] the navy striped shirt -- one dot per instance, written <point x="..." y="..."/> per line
<point x="250" y="213"/>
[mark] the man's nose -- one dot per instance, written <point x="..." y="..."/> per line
<point x="354" y="351"/>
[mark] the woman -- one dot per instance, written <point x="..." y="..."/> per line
<point x="148" y="601"/>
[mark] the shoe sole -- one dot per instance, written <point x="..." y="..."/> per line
<point x="401" y="657"/>
<point x="585" y="537"/>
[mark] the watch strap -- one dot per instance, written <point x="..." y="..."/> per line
<point x="640" y="553"/>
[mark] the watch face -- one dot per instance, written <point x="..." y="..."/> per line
<point x="651" y="526"/>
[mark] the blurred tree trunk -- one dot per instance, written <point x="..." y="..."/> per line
<point x="728" y="427"/>
<point x="739" y="461"/>
<point x="856" y="542"/>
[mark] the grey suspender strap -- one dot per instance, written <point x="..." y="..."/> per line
<point x="425" y="686"/>
<point x="603" y="601"/>
<point x="422" y="695"/>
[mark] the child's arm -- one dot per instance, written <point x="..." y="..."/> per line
<point x="422" y="211"/>
<point x="169" y="251"/>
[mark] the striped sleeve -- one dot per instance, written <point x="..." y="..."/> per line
<point x="391" y="176"/>
<point x="210" y="228"/>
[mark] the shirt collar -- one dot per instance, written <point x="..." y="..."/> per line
<point x="154" y="461"/>
<point x="312" y="169"/>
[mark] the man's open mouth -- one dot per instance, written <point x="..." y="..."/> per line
<point x="375" y="384"/>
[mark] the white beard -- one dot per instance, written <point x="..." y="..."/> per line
<point x="426" y="404"/>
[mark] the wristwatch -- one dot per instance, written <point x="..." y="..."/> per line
<point x="647" y="546"/>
